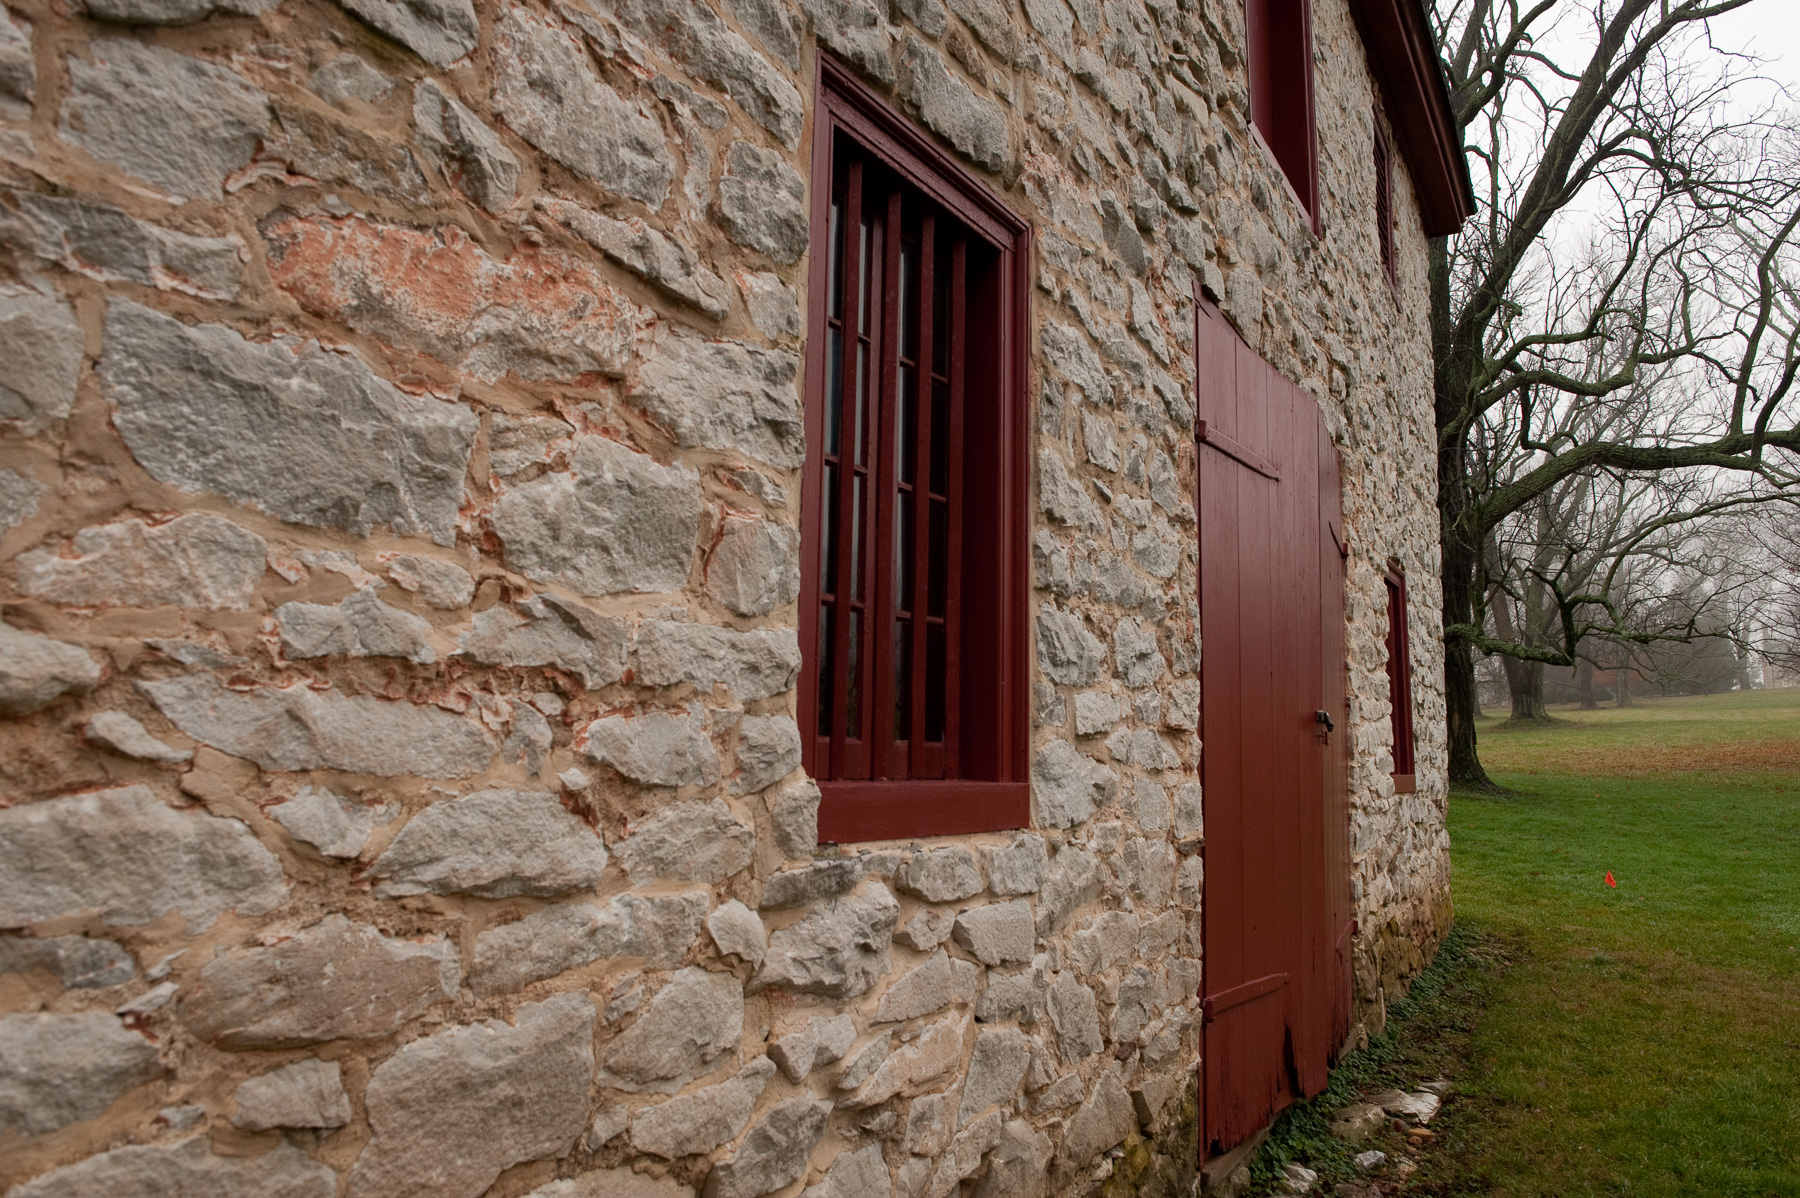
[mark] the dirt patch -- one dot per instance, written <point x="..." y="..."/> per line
<point x="1775" y="755"/>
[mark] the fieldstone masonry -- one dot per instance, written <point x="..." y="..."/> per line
<point x="400" y="436"/>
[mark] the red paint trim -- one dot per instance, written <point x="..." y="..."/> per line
<point x="852" y="811"/>
<point x="1403" y="58"/>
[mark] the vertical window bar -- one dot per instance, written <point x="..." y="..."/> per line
<point x="841" y="587"/>
<point x="925" y="372"/>
<point x="881" y="630"/>
<point x="953" y="597"/>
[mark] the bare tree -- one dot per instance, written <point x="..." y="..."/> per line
<point x="1631" y="226"/>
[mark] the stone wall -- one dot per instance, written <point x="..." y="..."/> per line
<point x="399" y="493"/>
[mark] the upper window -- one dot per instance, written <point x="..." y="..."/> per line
<point x="1384" y="205"/>
<point x="1279" y="37"/>
<point x="914" y="613"/>
<point x="1399" y="672"/>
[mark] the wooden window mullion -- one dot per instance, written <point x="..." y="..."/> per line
<point x="925" y="383"/>
<point x="884" y="480"/>
<point x="850" y="292"/>
<point x="953" y="494"/>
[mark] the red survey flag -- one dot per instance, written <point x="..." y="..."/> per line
<point x="1609" y="880"/>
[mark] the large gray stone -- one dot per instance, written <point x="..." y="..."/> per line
<point x="697" y="38"/>
<point x="738" y="931"/>
<point x="304" y="1094"/>
<point x="128" y="857"/>
<point x="1106" y="1118"/>
<point x="620" y="521"/>
<point x="187" y="1167"/>
<point x="838" y="950"/>
<point x="940" y="875"/>
<point x="125" y="736"/>
<point x="754" y="567"/>
<point x="964" y="1155"/>
<point x="183" y="124"/>
<point x="773" y="25"/>
<point x="104" y="243"/>
<point x="492" y="843"/>
<point x="309" y="436"/>
<point x="172" y="12"/>
<point x="1076" y="1017"/>
<point x="360" y="625"/>
<point x="858" y="1174"/>
<point x="1148" y="870"/>
<point x="1068" y="785"/>
<point x="439" y="31"/>
<point x="774" y="1153"/>
<point x="76" y="962"/>
<point x="973" y="124"/>
<point x="762" y="203"/>
<point x="44" y="348"/>
<point x="1067" y="651"/>
<point x="35" y="671"/>
<point x="998" y="934"/>
<point x="794" y="814"/>
<point x="19" y="496"/>
<point x="1019" y="1165"/>
<point x="547" y="631"/>
<point x="464" y="151"/>
<point x="1073" y="881"/>
<point x="811" y="882"/>
<point x="646" y="252"/>
<point x="1140" y="662"/>
<point x="659" y="928"/>
<point x="935" y="1051"/>
<point x="856" y="29"/>
<point x="298" y="728"/>
<point x="336" y="980"/>
<point x="1108" y="941"/>
<point x="1018" y="867"/>
<point x="750" y="665"/>
<point x="774" y="307"/>
<point x="546" y="90"/>
<point x="1019" y="995"/>
<point x="657" y="748"/>
<point x="922" y="990"/>
<point x="196" y="560"/>
<point x="697" y="841"/>
<point x="824" y="1039"/>
<point x="323" y="146"/>
<point x="61" y="1069"/>
<point x="768" y="750"/>
<point x="690" y="1024"/>
<point x="18" y="70"/>
<point x="726" y="395"/>
<point x="443" y="585"/>
<point x="334" y="825"/>
<point x="452" y="1111"/>
<point x="701" y="1121"/>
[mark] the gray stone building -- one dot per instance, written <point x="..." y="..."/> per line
<point x="621" y="598"/>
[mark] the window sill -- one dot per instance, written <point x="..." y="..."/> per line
<point x="1405" y="784"/>
<point x="853" y="811"/>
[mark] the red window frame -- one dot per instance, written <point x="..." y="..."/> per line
<point x="1278" y="37"/>
<point x="1399" y="672"/>
<point x="1384" y="207"/>
<point x="871" y="162"/>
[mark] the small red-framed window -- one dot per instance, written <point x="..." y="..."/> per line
<point x="1278" y="36"/>
<point x="1384" y="207"/>
<point x="1399" y="672"/>
<point x="914" y="605"/>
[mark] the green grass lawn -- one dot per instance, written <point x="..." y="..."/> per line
<point x="1642" y="1040"/>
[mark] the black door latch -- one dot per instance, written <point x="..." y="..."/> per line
<point x="1323" y="717"/>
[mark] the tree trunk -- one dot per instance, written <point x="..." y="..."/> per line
<point x="1584" y="685"/>
<point x="1622" y="688"/>
<point x="1525" y="679"/>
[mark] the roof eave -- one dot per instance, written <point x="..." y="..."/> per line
<point x="1403" y="55"/>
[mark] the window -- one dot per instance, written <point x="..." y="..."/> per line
<point x="1399" y="671"/>
<point x="914" y="617"/>
<point x="1279" y="37"/>
<point x="1384" y="206"/>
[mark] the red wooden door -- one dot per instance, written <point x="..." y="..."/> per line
<point x="1271" y="621"/>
